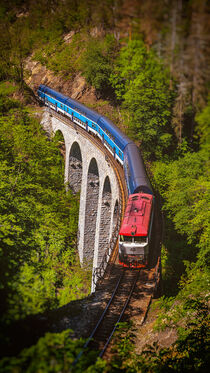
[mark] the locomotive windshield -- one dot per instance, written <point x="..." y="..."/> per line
<point x="133" y="239"/>
<point x="126" y="238"/>
<point x="140" y="239"/>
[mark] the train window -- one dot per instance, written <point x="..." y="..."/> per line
<point x="126" y="238"/>
<point x="135" y="198"/>
<point x="109" y="134"/>
<point x="140" y="239"/>
<point x="108" y="145"/>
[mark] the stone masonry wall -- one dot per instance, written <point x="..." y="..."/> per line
<point x="104" y="237"/>
<point x="91" y="216"/>
<point x="75" y="174"/>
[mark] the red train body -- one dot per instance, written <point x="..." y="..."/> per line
<point x="135" y="232"/>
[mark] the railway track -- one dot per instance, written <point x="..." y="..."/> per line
<point x="114" y="310"/>
<point x="107" y="323"/>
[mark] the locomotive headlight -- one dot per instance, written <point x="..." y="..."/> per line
<point x="121" y="248"/>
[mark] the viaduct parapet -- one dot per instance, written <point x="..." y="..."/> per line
<point x="88" y="172"/>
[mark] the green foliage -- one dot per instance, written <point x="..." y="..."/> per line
<point x="7" y="88"/>
<point x="83" y="53"/>
<point x="184" y="186"/>
<point x="62" y="58"/>
<point x="55" y="352"/>
<point x="38" y="226"/>
<point x="97" y="62"/>
<point x="185" y="189"/>
<point x="34" y="24"/>
<point x="142" y="84"/>
<point x="52" y="353"/>
<point x="124" y="340"/>
<point x="7" y="104"/>
<point x="203" y="128"/>
<point x="190" y="353"/>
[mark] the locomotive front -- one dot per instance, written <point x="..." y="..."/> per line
<point x="135" y="231"/>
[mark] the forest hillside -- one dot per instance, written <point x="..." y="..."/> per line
<point x="146" y="66"/>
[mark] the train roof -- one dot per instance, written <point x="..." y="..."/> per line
<point x="53" y="93"/>
<point x="120" y="138"/>
<point x="140" y="181"/>
<point x="89" y="113"/>
<point x="137" y="215"/>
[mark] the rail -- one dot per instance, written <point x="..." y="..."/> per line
<point x="157" y="273"/>
<point x="120" y="317"/>
<point x="103" y="315"/>
<point x="97" y="325"/>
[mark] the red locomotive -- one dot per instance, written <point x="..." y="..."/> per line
<point x="135" y="232"/>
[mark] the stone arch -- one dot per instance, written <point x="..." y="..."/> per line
<point x="75" y="168"/>
<point x="105" y="219"/>
<point x="58" y="133"/>
<point x="59" y="140"/>
<point x="91" y="209"/>
<point x="115" y="215"/>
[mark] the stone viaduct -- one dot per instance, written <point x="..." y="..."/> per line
<point x="88" y="172"/>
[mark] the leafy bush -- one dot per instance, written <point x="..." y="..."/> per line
<point x="52" y="353"/>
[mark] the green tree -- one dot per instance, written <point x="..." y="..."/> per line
<point x="96" y="63"/>
<point x="142" y="84"/>
<point x="184" y="186"/>
<point x="203" y="127"/>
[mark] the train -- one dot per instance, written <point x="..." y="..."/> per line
<point x="136" y="228"/>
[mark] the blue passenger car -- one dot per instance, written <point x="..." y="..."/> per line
<point x="120" y="146"/>
<point x="113" y="139"/>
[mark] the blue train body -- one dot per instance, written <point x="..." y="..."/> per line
<point x="120" y="146"/>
